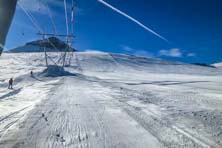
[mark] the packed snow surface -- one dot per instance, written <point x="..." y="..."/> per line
<point x="109" y="100"/>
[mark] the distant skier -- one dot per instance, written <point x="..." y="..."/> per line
<point x="10" y="83"/>
<point x="31" y="73"/>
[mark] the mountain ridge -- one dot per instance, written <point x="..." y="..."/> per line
<point x="51" y="44"/>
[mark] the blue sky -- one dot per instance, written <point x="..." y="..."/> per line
<point x="192" y="27"/>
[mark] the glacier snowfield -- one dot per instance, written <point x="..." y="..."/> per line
<point x="109" y="101"/>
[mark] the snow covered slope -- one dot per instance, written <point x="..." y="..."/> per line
<point x="218" y="65"/>
<point x="28" y="48"/>
<point x="109" y="100"/>
<point x="103" y="62"/>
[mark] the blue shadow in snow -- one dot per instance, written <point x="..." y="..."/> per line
<point x="13" y="92"/>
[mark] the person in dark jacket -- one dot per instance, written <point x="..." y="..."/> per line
<point x="10" y="83"/>
<point x="31" y="73"/>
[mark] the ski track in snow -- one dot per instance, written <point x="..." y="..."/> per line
<point x="112" y="101"/>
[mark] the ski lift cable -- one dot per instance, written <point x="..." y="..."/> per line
<point x="72" y="25"/>
<point x="51" y="18"/>
<point x="61" y="58"/>
<point x="72" y="21"/>
<point x="38" y="28"/>
<point x="34" y="23"/>
<point x="31" y="18"/>
<point x="51" y="59"/>
<point x="72" y="16"/>
<point x="66" y="18"/>
<point x="67" y="29"/>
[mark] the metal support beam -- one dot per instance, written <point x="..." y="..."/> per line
<point x="7" y="9"/>
<point x="59" y="35"/>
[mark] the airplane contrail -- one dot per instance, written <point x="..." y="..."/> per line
<point x="132" y="19"/>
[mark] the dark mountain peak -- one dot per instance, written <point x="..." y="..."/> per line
<point x="52" y="43"/>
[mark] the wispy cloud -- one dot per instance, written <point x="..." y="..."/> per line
<point x="133" y="19"/>
<point x="127" y="48"/>
<point x="137" y="52"/>
<point x="191" y="55"/>
<point x="175" y="52"/>
<point x="60" y="4"/>
<point x="41" y="6"/>
<point x="34" y="6"/>
<point x="144" y="53"/>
